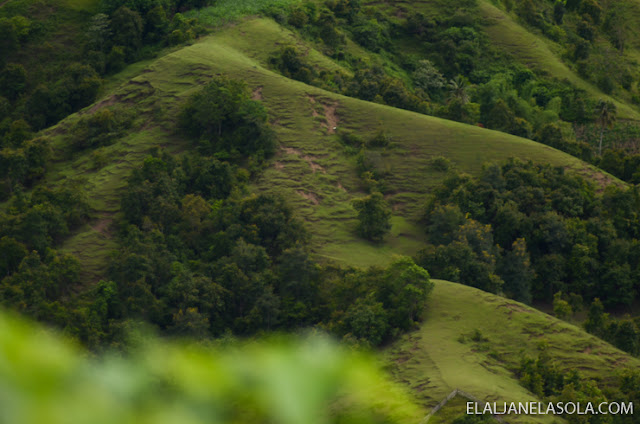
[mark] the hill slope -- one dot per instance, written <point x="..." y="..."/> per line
<point x="536" y="52"/>
<point x="441" y="356"/>
<point x="312" y="169"/>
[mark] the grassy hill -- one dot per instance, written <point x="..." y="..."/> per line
<point x="317" y="174"/>
<point x="442" y="356"/>
<point x="312" y="169"/>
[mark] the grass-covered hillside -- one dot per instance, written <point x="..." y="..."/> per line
<point x="475" y="342"/>
<point x="312" y="167"/>
<point x="221" y="169"/>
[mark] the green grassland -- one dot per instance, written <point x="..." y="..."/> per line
<point x="441" y="357"/>
<point x="312" y="169"/>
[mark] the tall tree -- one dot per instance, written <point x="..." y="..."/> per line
<point x="605" y="116"/>
<point x="458" y="89"/>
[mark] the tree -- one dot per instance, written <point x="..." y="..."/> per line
<point x="190" y="323"/>
<point x="99" y="31"/>
<point x="128" y="28"/>
<point x="9" y="41"/>
<point x="374" y="215"/>
<point x="515" y="270"/>
<point x="627" y="336"/>
<point x="207" y="111"/>
<point x="551" y="135"/>
<point x="13" y="81"/>
<point x="596" y="319"/>
<point x="12" y="254"/>
<point x="561" y="308"/>
<point x="527" y="11"/>
<point x="404" y="292"/>
<point x="428" y="78"/>
<point x="605" y="116"/>
<point x="367" y="320"/>
<point x="559" y="10"/>
<point x="617" y="24"/>
<point x="157" y="24"/>
<point x="78" y="87"/>
<point x="458" y="89"/>
<point x="501" y="117"/>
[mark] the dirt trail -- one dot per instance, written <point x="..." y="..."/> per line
<point x="257" y="94"/>
<point x="111" y="100"/>
<point x="310" y="159"/>
<point x="102" y="226"/>
<point x="330" y="114"/>
<point x="309" y="196"/>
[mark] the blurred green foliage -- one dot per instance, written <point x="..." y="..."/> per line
<point x="44" y="378"/>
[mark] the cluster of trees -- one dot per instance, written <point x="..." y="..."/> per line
<point x="198" y="257"/>
<point x="373" y="211"/>
<point x="42" y="93"/>
<point x="33" y="93"/>
<point x="22" y="158"/>
<point x="330" y="24"/>
<point x="543" y="378"/>
<point x="457" y="73"/>
<point x="123" y="30"/>
<point x="619" y="148"/>
<point x="623" y="333"/>
<point x="594" y="35"/>
<point x="531" y="231"/>
<point x="34" y="278"/>
<point x="226" y="123"/>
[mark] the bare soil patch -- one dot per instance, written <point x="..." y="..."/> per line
<point x="309" y="196"/>
<point x="109" y="101"/>
<point x="330" y="114"/>
<point x="102" y="226"/>
<point x="310" y="159"/>
<point x="257" y="94"/>
<point x="292" y="151"/>
<point x="331" y="117"/>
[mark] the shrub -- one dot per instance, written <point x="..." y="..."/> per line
<point x="298" y="17"/>
<point x="440" y="164"/>
<point x="101" y="128"/>
<point x="352" y="139"/>
<point x="373" y="216"/>
<point x="381" y="139"/>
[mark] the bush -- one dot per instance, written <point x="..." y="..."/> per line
<point x="440" y="164"/>
<point x="101" y="128"/>
<point x="352" y="139"/>
<point x="298" y="17"/>
<point x="606" y="83"/>
<point x="373" y="216"/>
<point x="288" y="61"/>
<point x="370" y="35"/>
<point x="381" y="139"/>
